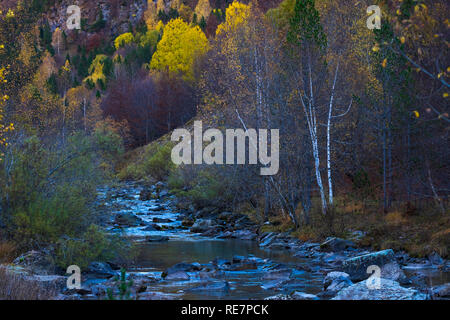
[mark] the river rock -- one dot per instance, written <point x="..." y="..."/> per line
<point x="244" y="265"/>
<point x="273" y="284"/>
<point x="435" y="259"/>
<point x="101" y="270"/>
<point x="152" y="227"/>
<point x="244" y="235"/>
<point x="266" y="239"/>
<point x="161" y="220"/>
<point x="36" y="262"/>
<point x="279" y="274"/>
<point x="156" y="238"/>
<point x="336" y="244"/>
<point x="157" y="296"/>
<point x="442" y="291"/>
<point x="393" y="271"/>
<point x="128" y="219"/>
<point x="297" y="295"/>
<point x="146" y="195"/>
<point x="187" y="222"/>
<point x="178" y="276"/>
<point x="336" y="281"/>
<point x="201" y="225"/>
<point x="50" y="283"/>
<point x="390" y="290"/>
<point x="225" y="216"/>
<point x="279" y="296"/>
<point x="357" y="267"/>
<point x="182" y="266"/>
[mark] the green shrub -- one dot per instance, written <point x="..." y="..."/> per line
<point x="160" y="164"/>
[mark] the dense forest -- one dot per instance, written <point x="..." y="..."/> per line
<point x="363" y="116"/>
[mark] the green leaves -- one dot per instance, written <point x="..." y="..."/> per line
<point x="305" y="26"/>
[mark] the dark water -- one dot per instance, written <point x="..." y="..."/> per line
<point x="246" y="284"/>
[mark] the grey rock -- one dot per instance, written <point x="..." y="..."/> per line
<point x="280" y="274"/>
<point x="201" y="225"/>
<point x="178" y="276"/>
<point x="101" y="269"/>
<point x="297" y="295"/>
<point x="336" y="281"/>
<point x="389" y="290"/>
<point x="128" y="219"/>
<point x="435" y="259"/>
<point x="442" y="291"/>
<point x="156" y="238"/>
<point x="152" y="227"/>
<point x="357" y="267"/>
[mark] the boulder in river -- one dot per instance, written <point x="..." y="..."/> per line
<point x="357" y="267"/>
<point x="335" y="281"/>
<point x="101" y="270"/>
<point x="389" y="290"/>
<point x="182" y="266"/>
<point x="127" y="219"/>
<point x="178" y="276"/>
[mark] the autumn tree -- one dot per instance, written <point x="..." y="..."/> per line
<point x="178" y="49"/>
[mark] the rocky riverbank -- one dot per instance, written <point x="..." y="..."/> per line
<point x="275" y="265"/>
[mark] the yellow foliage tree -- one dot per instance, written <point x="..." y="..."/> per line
<point x="236" y="14"/>
<point x="180" y="45"/>
<point x="123" y="40"/>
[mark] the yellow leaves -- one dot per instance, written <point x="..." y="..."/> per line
<point x="416" y="113"/>
<point x="10" y="14"/>
<point x="123" y="40"/>
<point x="384" y="63"/>
<point x="376" y="48"/>
<point x="236" y="14"/>
<point x="180" y="45"/>
<point x="66" y="67"/>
